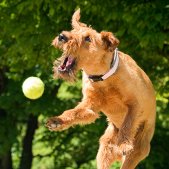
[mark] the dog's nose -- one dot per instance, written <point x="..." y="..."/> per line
<point x="62" y="38"/>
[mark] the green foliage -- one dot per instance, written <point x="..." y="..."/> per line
<point x="26" y="32"/>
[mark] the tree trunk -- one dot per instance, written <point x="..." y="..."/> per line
<point x="27" y="156"/>
<point x="6" y="161"/>
<point x="5" y="158"/>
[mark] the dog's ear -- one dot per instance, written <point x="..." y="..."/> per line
<point x="76" y="24"/>
<point x="109" y="40"/>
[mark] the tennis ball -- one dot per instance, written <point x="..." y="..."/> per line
<point x="33" y="87"/>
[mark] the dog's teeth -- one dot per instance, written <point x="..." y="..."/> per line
<point x="53" y="125"/>
<point x="58" y="125"/>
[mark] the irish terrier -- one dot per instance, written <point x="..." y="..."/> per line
<point x="113" y="84"/>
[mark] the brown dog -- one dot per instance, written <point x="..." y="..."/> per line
<point x="113" y="84"/>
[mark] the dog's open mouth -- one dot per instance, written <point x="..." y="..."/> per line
<point x="67" y="64"/>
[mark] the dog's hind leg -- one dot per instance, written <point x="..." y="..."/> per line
<point x="132" y="160"/>
<point x="108" y="151"/>
<point x="141" y="148"/>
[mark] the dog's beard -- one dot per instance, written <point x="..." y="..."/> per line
<point x="65" y="68"/>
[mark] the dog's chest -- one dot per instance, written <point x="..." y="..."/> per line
<point x="113" y="107"/>
<point x="109" y="101"/>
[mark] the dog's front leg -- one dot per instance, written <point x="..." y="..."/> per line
<point x="128" y="129"/>
<point x="81" y="114"/>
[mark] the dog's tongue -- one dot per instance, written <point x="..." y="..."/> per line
<point x="67" y="64"/>
<point x="69" y="61"/>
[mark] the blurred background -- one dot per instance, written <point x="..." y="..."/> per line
<point x="27" y="28"/>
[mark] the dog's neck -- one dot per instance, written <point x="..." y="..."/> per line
<point x="114" y="65"/>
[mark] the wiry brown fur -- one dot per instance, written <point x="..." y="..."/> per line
<point x="127" y="98"/>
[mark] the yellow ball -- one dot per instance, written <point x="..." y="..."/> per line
<point x="33" y="87"/>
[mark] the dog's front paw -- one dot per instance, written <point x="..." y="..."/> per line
<point x="125" y="148"/>
<point x="55" y="124"/>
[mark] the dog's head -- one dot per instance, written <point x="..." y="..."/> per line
<point x="83" y="48"/>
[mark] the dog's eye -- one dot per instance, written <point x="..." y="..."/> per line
<point x="62" y="38"/>
<point x="87" y="39"/>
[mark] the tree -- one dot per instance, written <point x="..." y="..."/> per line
<point x="27" y="29"/>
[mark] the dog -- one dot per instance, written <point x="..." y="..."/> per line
<point x="113" y="84"/>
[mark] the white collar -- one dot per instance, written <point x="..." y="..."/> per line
<point x="113" y="69"/>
